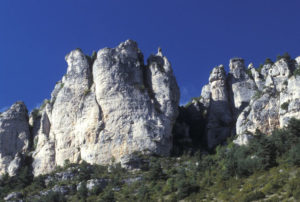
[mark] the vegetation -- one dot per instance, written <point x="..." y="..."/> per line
<point x="45" y="102"/>
<point x="268" y="61"/>
<point x="191" y="101"/>
<point x="86" y="91"/>
<point x="286" y="56"/>
<point x="285" y="105"/>
<point x="296" y="72"/>
<point x="248" y="71"/>
<point x="267" y="169"/>
<point x="257" y="94"/>
<point x="260" y="68"/>
<point x="35" y="113"/>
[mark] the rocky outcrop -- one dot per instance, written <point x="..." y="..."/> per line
<point x="240" y="85"/>
<point x="111" y="107"/>
<point x="270" y="107"/>
<point x="219" y="119"/>
<point x="107" y="107"/>
<point x="14" y="137"/>
<point x="251" y="99"/>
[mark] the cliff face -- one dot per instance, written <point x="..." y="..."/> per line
<point x="250" y="99"/>
<point x="14" y="137"/>
<point x="107" y="107"/>
<point x="111" y="105"/>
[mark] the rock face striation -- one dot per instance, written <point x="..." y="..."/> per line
<point x="106" y="107"/>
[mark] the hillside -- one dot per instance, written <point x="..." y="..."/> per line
<point x="267" y="169"/>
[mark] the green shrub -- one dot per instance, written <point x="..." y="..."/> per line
<point x="143" y="193"/>
<point x="45" y="102"/>
<point x="257" y="95"/>
<point x="86" y="91"/>
<point x="35" y="142"/>
<point x="294" y="188"/>
<point x="285" y="105"/>
<point x="184" y="185"/>
<point x="260" y="68"/>
<point x="256" y="195"/>
<point x="285" y="56"/>
<point x="53" y="197"/>
<point x="155" y="171"/>
<point x="294" y="155"/>
<point x="296" y="72"/>
<point x="268" y="61"/>
<point x="82" y="191"/>
<point x="248" y="71"/>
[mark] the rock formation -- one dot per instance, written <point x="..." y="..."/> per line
<point x="251" y="99"/>
<point x="111" y="105"/>
<point x="107" y="107"/>
<point x="14" y="137"/>
<point x="219" y="115"/>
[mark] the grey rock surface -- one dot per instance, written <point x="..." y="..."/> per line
<point x="96" y="183"/>
<point x="14" y="137"/>
<point x="273" y="105"/>
<point x="252" y="99"/>
<point x="241" y="86"/>
<point x="14" y="196"/>
<point x="219" y="118"/>
<point x="107" y="107"/>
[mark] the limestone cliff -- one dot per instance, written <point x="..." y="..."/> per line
<point x="14" y="137"/>
<point x="110" y="105"/>
<point x="250" y="99"/>
<point x="107" y="107"/>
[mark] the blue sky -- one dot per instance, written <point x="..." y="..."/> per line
<point x="195" y="35"/>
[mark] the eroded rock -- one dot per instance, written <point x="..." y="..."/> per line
<point x="14" y="137"/>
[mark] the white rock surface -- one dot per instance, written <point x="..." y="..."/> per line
<point x="108" y="108"/>
<point x="219" y="114"/>
<point x="272" y="107"/>
<point x="241" y="86"/>
<point x="14" y="137"/>
<point x="259" y="99"/>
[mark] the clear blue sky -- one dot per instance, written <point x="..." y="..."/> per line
<point x="195" y="35"/>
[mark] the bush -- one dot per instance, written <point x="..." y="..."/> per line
<point x="248" y="71"/>
<point x="285" y="56"/>
<point x="82" y="191"/>
<point x="260" y="68"/>
<point x="45" y="102"/>
<point x="256" y="195"/>
<point x="268" y="61"/>
<point x="296" y="72"/>
<point x="294" y="188"/>
<point x="184" y="185"/>
<point x="86" y="91"/>
<point x="257" y="95"/>
<point x="155" y="171"/>
<point x="285" y="106"/>
<point x="53" y="197"/>
<point x="143" y="193"/>
<point x="294" y="155"/>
